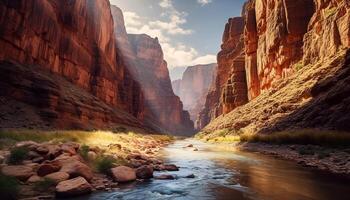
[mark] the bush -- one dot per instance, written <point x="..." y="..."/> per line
<point x="17" y="155"/>
<point x="83" y="151"/>
<point x="298" y="66"/>
<point x="44" y="185"/>
<point x="104" y="164"/>
<point x="9" y="187"/>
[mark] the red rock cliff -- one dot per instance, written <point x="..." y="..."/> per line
<point x="297" y="65"/>
<point x="194" y="86"/>
<point x="163" y="107"/>
<point x="143" y="56"/>
<point x="71" y="39"/>
<point x="230" y="74"/>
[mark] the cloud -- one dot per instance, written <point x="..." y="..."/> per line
<point x="176" y="54"/>
<point x="180" y="55"/>
<point x="204" y="2"/>
<point x="166" y="4"/>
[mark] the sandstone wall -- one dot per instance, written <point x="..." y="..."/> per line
<point x="220" y="98"/>
<point x="72" y="39"/>
<point x="194" y="86"/>
<point x="296" y="63"/>
<point x="163" y="107"/>
<point x="143" y="57"/>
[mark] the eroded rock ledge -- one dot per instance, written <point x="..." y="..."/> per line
<point x="287" y="48"/>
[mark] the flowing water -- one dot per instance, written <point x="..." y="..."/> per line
<point x="225" y="174"/>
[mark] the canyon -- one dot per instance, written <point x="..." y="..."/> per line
<point x="87" y="106"/>
<point x="72" y="70"/>
<point x="282" y="66"/>
<point x="194" y="86"/>
<point x="144" y="57"/>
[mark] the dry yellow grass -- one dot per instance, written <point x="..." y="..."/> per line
<point x="117" y="143"/>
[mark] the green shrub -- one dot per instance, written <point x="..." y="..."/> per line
<point x="83" y="151"/>
<point x="44" y="185"/>
<point x="17" y="155"/>
<point x="298" y="66"/>
<point x="9" y="187"/>
<point x="103" y="164"/>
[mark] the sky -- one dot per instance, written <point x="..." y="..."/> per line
<point x="190" y="31"/>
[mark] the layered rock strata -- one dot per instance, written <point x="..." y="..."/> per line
<point x="144" y="58"/>
<point x="227" y="90"/>
<point x="194" y="86"/>
<point x="296" y="61"/>
<point x="71" y="39"/>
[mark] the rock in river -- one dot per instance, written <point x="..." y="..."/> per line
<point x="144" y="172"/>
<point x="123" y="174"/>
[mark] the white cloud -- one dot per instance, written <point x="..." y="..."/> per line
<point x="176" y="54"/>
<point x="204" y="2"/>
<point x="166" y="4"/>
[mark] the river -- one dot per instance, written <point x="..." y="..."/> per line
<point x="222" y="173"/>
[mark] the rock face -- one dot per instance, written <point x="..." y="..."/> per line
<point x="296" y="65"/>
<point x="328" y="30"/>
<point x="194" y="86"/>
<point x="229" y="89"/>
<point x="280" y="28"/>
<point x="144" y="58"/>
<point x="74" y="40"/>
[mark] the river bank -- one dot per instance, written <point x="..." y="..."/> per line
<point x="223" y="172"/>
<point x="48" y="165"/>
<point x="327" y="151"/>
<point x="333" y="160"/>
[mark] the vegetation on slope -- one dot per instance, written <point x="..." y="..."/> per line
<point x="304" y="137"/>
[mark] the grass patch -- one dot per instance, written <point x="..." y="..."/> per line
<point x="17" y="155"/>
<point x="330" y="12"/>
<point x="83" y="152"/>
<point x="220" y="136"/>
<point x="44" y="185"/>
<point x="298" y="66"/>
<point x="103" y="164"/>
<point x="304" y="137"/>
<point x="9" y="187"/>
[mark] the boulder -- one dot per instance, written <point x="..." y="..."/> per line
<point x="29" y="144"/>
<point x="48" y="168"/>
<point x="75" y="168"/>
<point x="165" y="177"/>
<point x="123" y="174"/>
<point x="190" y="176"/>
<point x="144" y="172"/>
<point x="170" y="167"/>
<point x="58" y="176"/>
<point x="92" y="155"/>
<point x="20" y="172"/>
<point x="66" y="148"/>
<point x="34" y="179"/>
<point x="73" y="187"/>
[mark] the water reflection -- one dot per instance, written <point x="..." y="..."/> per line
<point x="222" y="174"/>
